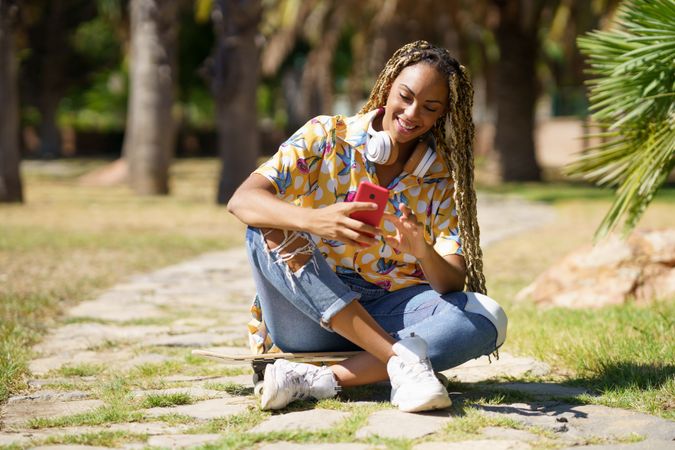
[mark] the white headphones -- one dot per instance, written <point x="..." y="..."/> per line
<point x="380" y="150"/>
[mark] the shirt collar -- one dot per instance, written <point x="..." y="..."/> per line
<point x="356" y="129"/>
<point x="355" y="134"/>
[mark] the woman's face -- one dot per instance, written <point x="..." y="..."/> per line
<point x="417" y="98"/>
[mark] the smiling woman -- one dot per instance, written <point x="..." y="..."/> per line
<point x="328" y="282"/>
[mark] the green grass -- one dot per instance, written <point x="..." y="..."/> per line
<point x="97" y="439"/>
<point x="68" y="242"/>
<point x="623" y="353"/>
<point x="167" y="400"/>
<point x="81" y="370"/>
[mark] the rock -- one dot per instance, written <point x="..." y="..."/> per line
<point x="612" y="272"/>
<point x="473" y="445"/>
<point x="397" y="424"/>
<point x="182" y="440"/>
<point x="506" y="366"/>
<point x="311" y="420"/>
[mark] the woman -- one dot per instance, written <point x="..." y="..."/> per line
<point x="327" y="282"/>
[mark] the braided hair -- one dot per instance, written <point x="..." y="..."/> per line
<point x="454" y="134"/>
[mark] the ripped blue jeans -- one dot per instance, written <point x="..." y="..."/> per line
<point x="298" y="306"/>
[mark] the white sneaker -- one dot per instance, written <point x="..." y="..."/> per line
<point x="287" y="381"/>
<point x="414" y="387"/>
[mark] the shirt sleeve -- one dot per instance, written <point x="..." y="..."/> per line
<point x="294" y="168"/>
<point x="446" y="227"/>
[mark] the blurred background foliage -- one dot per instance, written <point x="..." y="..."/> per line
<point x="84" y="48"/>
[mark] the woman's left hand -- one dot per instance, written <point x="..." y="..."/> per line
<point x="409" y="237"/>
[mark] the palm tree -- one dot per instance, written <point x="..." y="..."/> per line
<point x="632" y="100"/>
<point x="150" y="133"/>
<point x="10" y="180"/>
<point x="235" y="68"/>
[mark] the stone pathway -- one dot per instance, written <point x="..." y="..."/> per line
<point x="119" y="373"/>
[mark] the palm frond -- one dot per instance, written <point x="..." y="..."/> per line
<point x="632" y="104"/>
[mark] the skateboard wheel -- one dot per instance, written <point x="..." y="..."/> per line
<point x="257" y="389"/>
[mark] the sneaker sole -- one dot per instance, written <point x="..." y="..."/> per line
<point x="437" y="402"/>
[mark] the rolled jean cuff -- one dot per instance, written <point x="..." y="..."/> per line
<point x="341" y="303"/>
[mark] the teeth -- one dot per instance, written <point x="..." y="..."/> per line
<point x="405" y="126"/>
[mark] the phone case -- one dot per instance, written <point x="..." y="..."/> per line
<point x="369" y="192"/>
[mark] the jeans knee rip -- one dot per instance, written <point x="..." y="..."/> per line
<point x="280" y="254"/>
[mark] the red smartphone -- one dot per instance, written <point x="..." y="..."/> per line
<point x="372" y="193"/>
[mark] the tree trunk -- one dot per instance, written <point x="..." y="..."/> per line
<point x="516" y="95"/>
<point x="10" y="178"/>
<point x="150" y="132"/>
<point x="52" y="80"/>
<point x="236" y="68"/>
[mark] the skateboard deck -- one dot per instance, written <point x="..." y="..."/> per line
<point x="266" y="358"/>
<point x="260" y="361"/>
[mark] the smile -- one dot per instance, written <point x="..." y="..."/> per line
<point x="406" y="127"/>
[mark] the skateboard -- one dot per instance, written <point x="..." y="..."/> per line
<point x="260" y="361"/>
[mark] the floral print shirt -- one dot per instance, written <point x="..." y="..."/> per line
<point x="324" y="162"/>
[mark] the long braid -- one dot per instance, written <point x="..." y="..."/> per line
<point x="454" y="134"/>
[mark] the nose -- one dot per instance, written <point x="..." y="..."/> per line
<point x="412" y="110"/>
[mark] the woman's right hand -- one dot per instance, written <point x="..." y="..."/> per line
<point x="333" y="223"/>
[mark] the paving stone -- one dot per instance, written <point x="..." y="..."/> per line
<point x="204" y="410"/>
<point x="542" y="390"/>
<point x="181" y="440"/>
<point x="193" y="391"/>
<point x="243" y="380"/>
<point x="69" y="447"/>
<point x="644" y="445"/>
<point x="338" y="446"/>
<point x="50" y="396"/>
<point x="140" y="360"/>
<point x="13" y="439"/>
<point x="473" y="445"/>
<point x="14" y="414"/>
<point x="311" y="420"/>
<point x="118" y="311"/>
<point x="83" y="336"/>
<point x="507" y="366"/>
<point x="149" y="428"/>
<point x="397" y="424"/>
<point x="193" y="340"/>
<point x="579" y="422"/>
<point x="523" y="215"/>
<point x="509" y="434"/>
<point x="114" y="357"/>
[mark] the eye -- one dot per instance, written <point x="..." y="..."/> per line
<point x="405" y="98"/>
<point x="430" y="109"/>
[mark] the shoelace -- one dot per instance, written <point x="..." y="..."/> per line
<point x="421" y="369"/>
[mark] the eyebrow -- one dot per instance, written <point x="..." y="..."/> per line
<point x="413" y="93"/>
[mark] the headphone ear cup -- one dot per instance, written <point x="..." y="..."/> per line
<point x="379" y="149"/>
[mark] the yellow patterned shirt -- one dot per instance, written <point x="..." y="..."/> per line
<point x="324" y="162"/>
